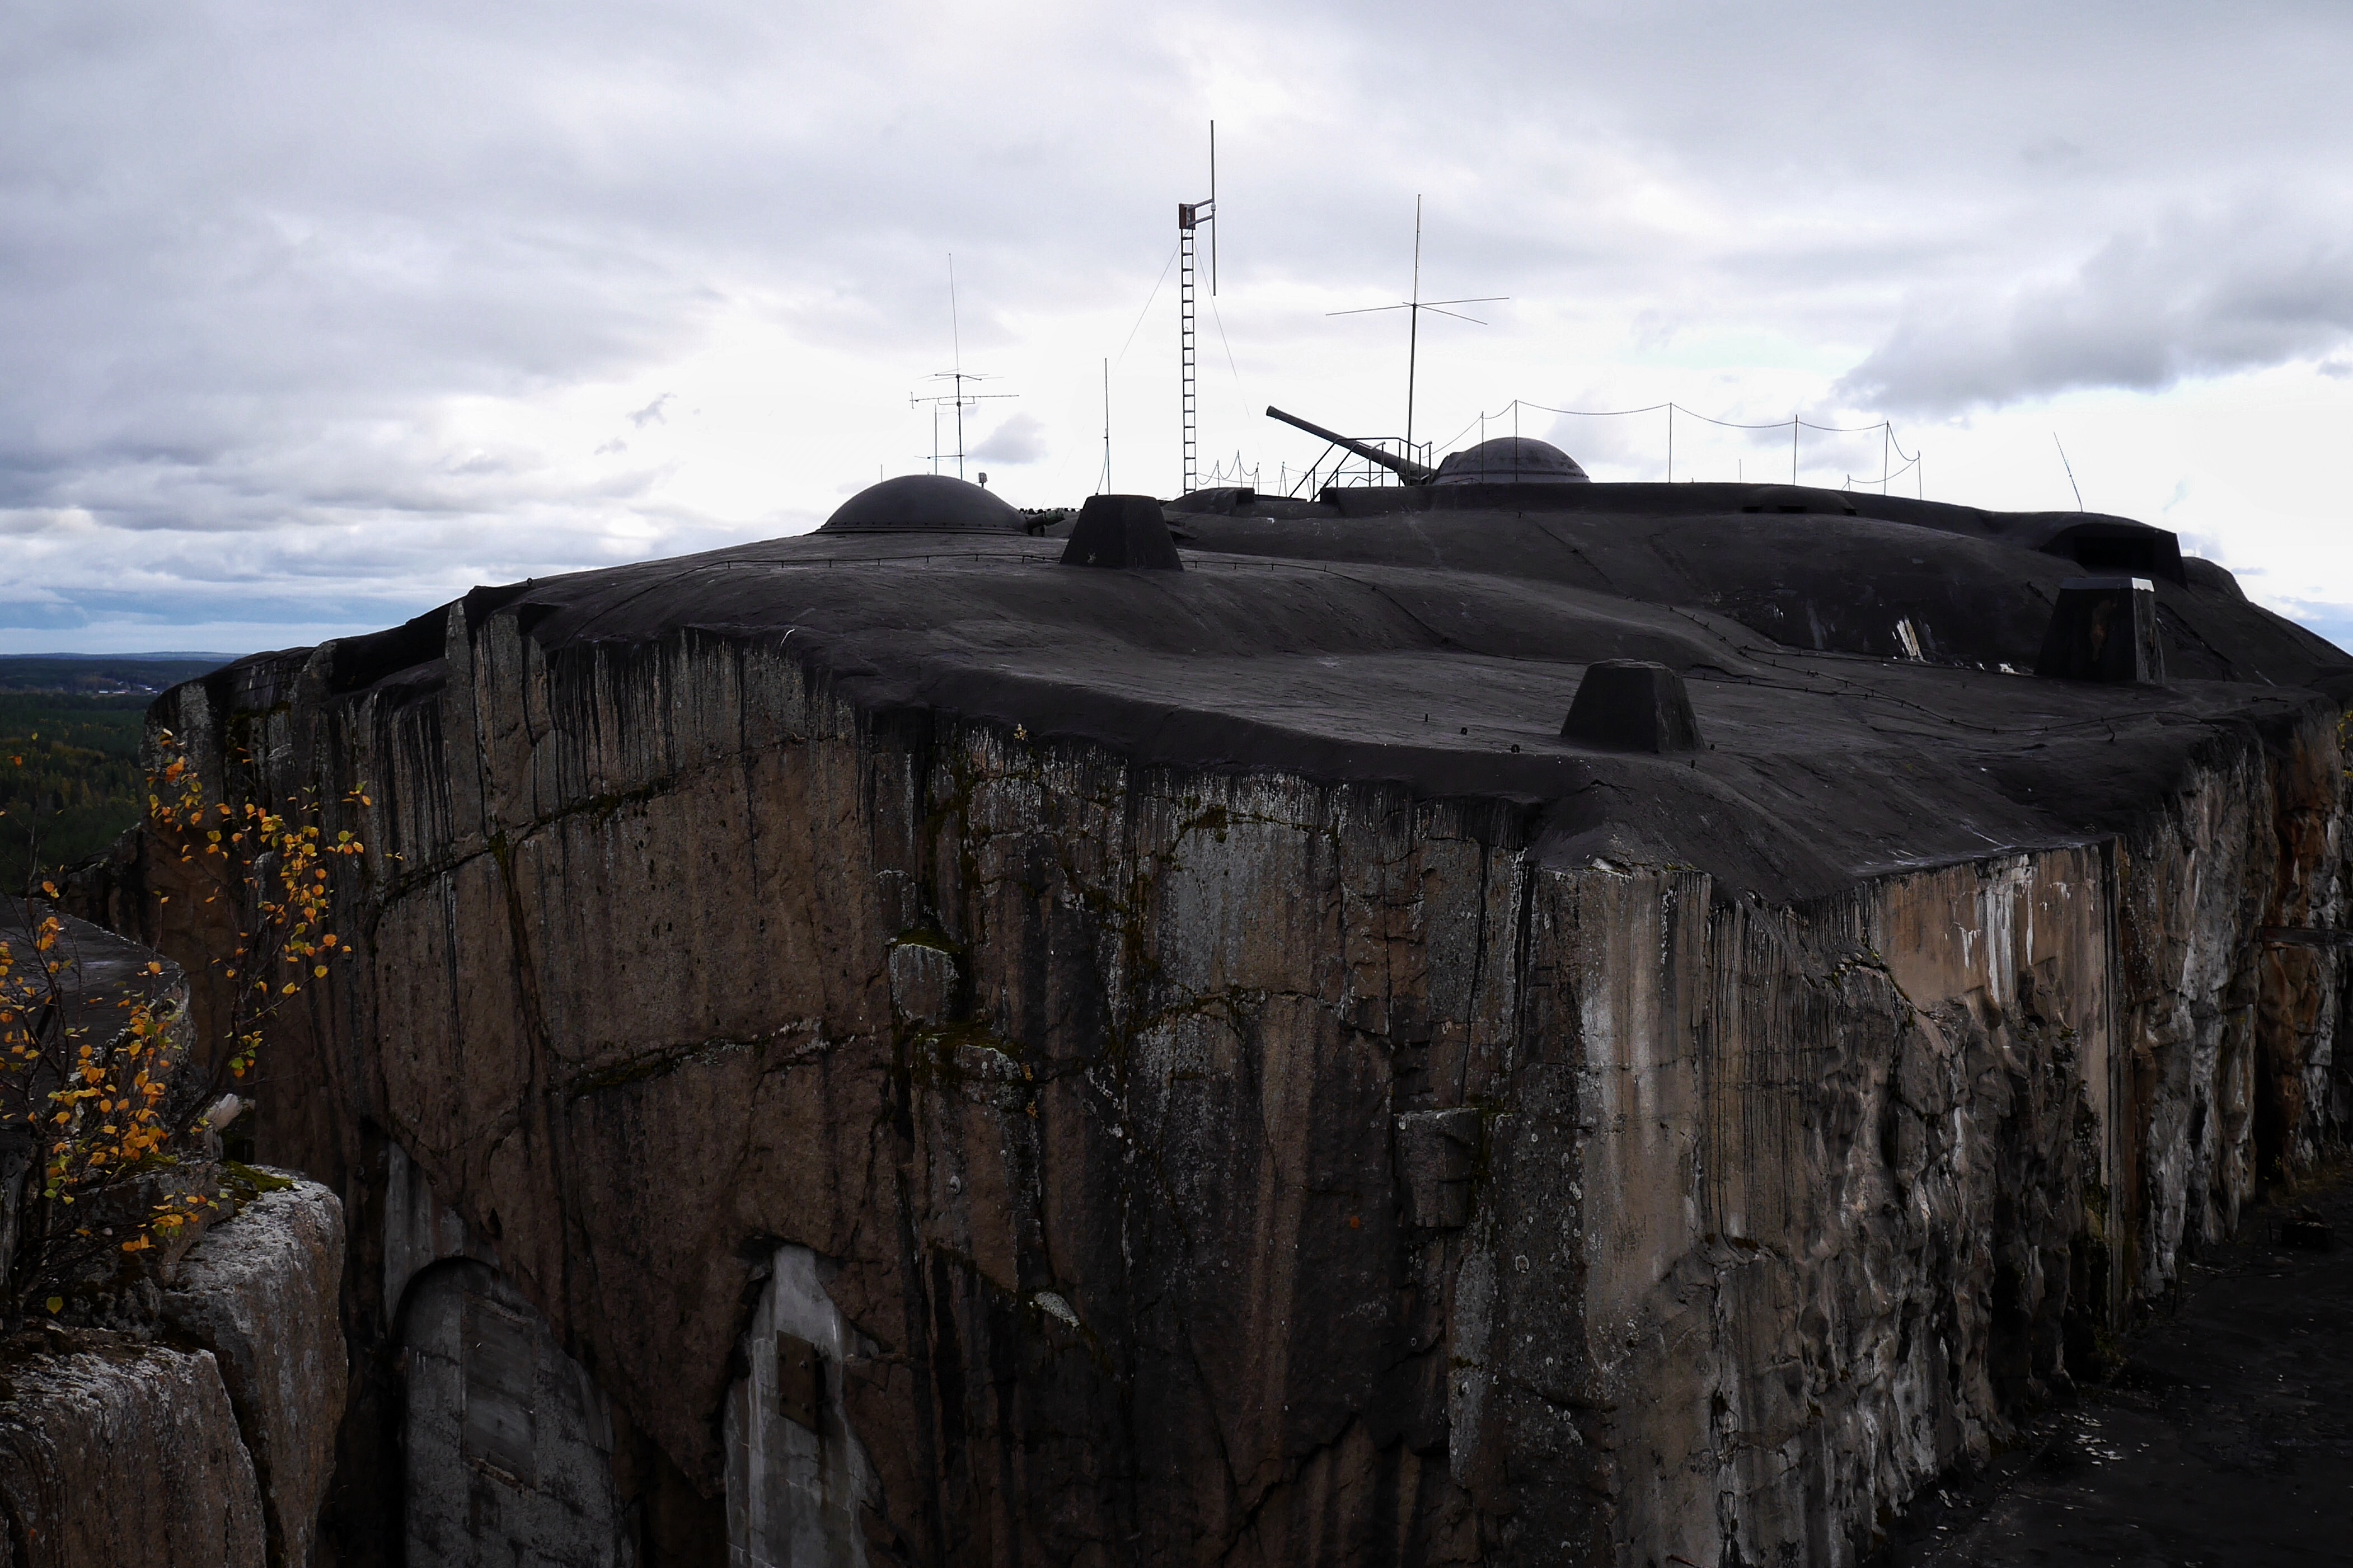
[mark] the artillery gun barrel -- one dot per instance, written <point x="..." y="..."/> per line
<point x="1413" y="473"/>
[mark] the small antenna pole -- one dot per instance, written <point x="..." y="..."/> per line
<point x="1106" y="484"/>
<point x="1213" y="209"/>
<point x="2071" y="470"/>
<point x="956" y="341"/>
<point x="1413" y="328"/>
<point x="1793" y="448"/>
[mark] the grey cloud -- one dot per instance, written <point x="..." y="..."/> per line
<point x="2195" y="296"/>
<point x="1021" y="439"/>
<point x="247" y="252"/>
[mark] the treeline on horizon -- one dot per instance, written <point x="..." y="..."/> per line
<point x="137" y="674"/>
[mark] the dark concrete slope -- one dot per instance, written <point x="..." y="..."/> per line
<point x="1440" y="650"/>
<point x="1975" y="588"/>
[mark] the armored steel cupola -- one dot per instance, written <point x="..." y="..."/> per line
<point x="1510" y="460"/>
<point x="923" y="503"/>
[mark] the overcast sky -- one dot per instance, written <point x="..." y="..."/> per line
<point x="314" y="316"/>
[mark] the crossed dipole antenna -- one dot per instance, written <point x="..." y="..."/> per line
<point x="1413" y="308"/>
<point x="955" y="397"/>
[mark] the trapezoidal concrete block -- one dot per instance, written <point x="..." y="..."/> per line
<point x="1631" y="705"/>
<point x="1121" y="530"/>
<point x="2104" y="628"/>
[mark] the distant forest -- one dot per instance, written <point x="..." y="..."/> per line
<point x="68" y="772"/>
<point x="70" y="776"/>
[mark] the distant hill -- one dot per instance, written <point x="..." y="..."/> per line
<point x="133" y="674"/>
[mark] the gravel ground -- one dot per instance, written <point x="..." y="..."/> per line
<point x="2225" y="1440"/>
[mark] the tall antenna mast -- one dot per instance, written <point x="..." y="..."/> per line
<point x="1413" y="308"/>
<point x="1190" y="217"/>
<point x="956" y="396"/>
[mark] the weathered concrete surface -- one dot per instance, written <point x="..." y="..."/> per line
<point x="261" y="1293"/>
<point x="594" y="1490"/>
<point x="1375" y="1146"/>
<point x="126" y="1454"/>
<point x="509" y="1445"/>
<point x="799" y="1487"/>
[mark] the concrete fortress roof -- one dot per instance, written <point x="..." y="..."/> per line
<point x="1858" y="667"/>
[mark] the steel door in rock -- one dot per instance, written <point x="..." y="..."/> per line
<point x="508" y="1444"/>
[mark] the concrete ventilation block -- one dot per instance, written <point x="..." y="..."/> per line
<point x="1631" y="705"/>
<point x="2102" y="629"/>
<point x="1121" y="530"/>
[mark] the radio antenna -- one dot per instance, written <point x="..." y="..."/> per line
<point x="956" y="398"/>
<point x="1413" y="308"/>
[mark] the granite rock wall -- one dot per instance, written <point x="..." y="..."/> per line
<point x="1238" y="1168"/>
<point x="122" y="1454"/>
<point x="201" y="1437"/>
<point x="262" y="1293"/>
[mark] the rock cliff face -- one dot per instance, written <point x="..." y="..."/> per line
<point x="174" y="1402"/>
<point x="125" y="1454"/>
<point x="1145" y="1090"/>
<point x="200" y="1438"/>
<point x="262" y="1294"/>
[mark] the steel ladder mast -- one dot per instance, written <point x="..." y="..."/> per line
<point x="1190" y="217"/>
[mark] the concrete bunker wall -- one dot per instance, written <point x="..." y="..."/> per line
<point x="797" y="1478"/>
<point x="507" y="1443"/>
<point x="1242" y="1169"/>
<point x="509" y="1447"/>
